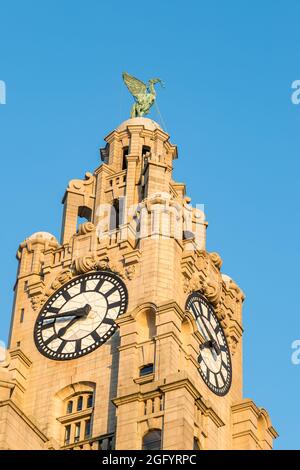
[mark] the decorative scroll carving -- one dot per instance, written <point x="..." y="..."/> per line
<point x="83" y="264"/>
<point x="85" y="228"/>
<point x="82" y="186"/>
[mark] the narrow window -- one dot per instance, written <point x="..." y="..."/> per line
<point x="79" y="403"/>
<point x="88" y="428"/>
<point x="145" y="150"/>
<point x="124" y="162"/>
<point x="114" y="221"/>
<point x="70" y="407"/>
<point x="146" y="370"/>
<point x="67" y="434"/>
<point x="77" y="432"/>
<point x="22" y="315"/>
<point x="90" y="401"/>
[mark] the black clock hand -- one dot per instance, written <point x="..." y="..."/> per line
<point x="79" y="312"/>
<point x="86" y="309"/>
<point x="210" y="341"/>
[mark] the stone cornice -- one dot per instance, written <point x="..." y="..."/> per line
<point x="25" y="418"/>
<point x="18" y="354"/>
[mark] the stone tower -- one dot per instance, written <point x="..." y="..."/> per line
<point x="125" y="334"/>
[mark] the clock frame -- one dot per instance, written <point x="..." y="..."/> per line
<point x="214" y="360"/>
<point x="80" y="316"/>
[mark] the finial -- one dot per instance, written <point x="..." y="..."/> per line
<point x="143" y="94"/>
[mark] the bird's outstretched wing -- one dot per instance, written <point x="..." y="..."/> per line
<point x="134" y="85"/>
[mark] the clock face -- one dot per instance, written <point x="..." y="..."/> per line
<point x="214" y="358"/>
<point x="80" y="316"/>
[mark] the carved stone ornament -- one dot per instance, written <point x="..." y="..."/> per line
<point x="82" y="186"/>
<point x="85" y="228"/>
<point x="209" y="265"/>
<point x="84" y="264"/>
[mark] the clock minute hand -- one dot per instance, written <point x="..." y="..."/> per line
<point x="210" y="341"/>
<point x="79" y="312"/>
<point x="86" y="309"/>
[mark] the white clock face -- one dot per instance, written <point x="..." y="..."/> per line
<point x="80" y="316"/>
<point x="214" y="358"/>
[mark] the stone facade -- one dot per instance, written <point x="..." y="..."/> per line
<point x="160" y="267"/>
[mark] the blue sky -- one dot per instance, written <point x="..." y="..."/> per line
<point x="228" y="69"/>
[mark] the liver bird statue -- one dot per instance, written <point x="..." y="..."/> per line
<point x="143" y="94"/>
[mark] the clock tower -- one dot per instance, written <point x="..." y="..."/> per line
<point x="126" y="334"/>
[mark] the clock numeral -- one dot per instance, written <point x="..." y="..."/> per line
<point x="66" y="295"/>
<point x="95" y="336"/>
<point x="83" y="286"/>
<point x="61" y="346"/>
<point x="225" y="365"/>
<point x="53" y="310"/>
<point x="99" y="285"/>
<point x="115" y="304"/>
<point x="217" y="382"/>
<point x="217" y="329"/>
<point x="111" y="291"/>
<point x="222" y="376"/>
<point x="78" y="346"/>
<point x="108" y="321"/>
<point x="197" y="311"/>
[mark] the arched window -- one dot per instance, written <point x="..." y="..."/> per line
<point x="90" y="400"/>
<point x="124" y="162"/>
<point x="152" y="440"/>
<point x="79" y="403"/>
<point x="114" y="220"/>
<point x="77" y="413"/>
<point x="70" y="406"/>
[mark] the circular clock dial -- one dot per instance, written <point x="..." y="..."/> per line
<point x="214" y="358"/>
<point x="80" y="316"/>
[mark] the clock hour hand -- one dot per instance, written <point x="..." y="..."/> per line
<point x="79" y="312"/>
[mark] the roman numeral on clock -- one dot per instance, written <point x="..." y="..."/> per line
<point x="53" y="310"/>
<point x="61" y="346"/>
<point x="111" y="291"/>
<point x="108" y="321"/>
<point x="113" y="305"/>
<point x="99" y="285"/>
<point x="66" y="295"/>
<point x="78" y="346"/>
<point x="95" y="336"/>
<point x="83" y="286"/>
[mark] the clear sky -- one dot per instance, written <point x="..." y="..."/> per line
<point x="228" y="69"/>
